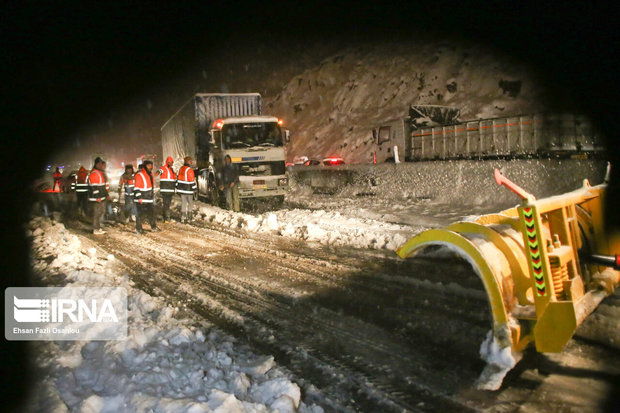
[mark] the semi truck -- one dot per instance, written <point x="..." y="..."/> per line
<point x="436" y="132"/>
<point x="210" y="126"/>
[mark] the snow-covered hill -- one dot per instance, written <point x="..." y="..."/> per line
<point x="331" y="95"/>
<point x="331" y="108"/>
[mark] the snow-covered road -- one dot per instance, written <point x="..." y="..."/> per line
<point x="356" y="329"/>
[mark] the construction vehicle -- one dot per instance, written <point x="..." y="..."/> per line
<point x="211" y="126"/>
<point x="545" y="264"/>
<point x="435" y="132"/>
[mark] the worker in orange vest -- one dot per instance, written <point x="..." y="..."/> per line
<point x="98" y="194"/>
<point x="143" y="195"/>
<point x="80" y="186"/>
<point x="127" y="181"/>
<point x="186" y="187"/>
<point x="57" y="178"/>
<point x="167" y="185"/>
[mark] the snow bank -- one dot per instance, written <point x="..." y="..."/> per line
<point x="325" y="227"/>
<point x="166" y="363"/>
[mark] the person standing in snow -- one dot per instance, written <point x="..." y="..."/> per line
<point x="230" y="184"/>
<point x="143" y="195"/>
<point x="167" y="185"/>
<point x="186" y="187"/>
<point x="81" y="191"/>
<point x="127" y="181"/>
<point x="98" y="194"/>
<point x="57" y="178"/>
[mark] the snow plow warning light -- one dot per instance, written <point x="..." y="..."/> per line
<point x="218" y="124"/>
<point x="280" y="122"/>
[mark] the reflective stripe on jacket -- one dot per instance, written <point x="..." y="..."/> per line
<point x="167" y="180"/>
<point x="81" y="184"/>
<point x="143" y="189"/>
<point x="97" y="186"/>
<point x="186" y="181"/>
<point x="128" y="181"/>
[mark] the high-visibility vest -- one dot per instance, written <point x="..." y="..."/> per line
<point x="143" y="189"/>
<point x="167" y="180"/>
<point x="97" y="186"/>
<point x="186" y="181"/>
<point x="81" y="184"/>
<point x="129" y="183"/>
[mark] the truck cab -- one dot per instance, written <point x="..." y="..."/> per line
<point x="256" y="146"/>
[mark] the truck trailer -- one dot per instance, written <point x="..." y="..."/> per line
<point x="434" y="132"/>
<point x="210" y="126"/>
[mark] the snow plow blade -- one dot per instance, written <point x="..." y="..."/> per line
<point x="534" y="263"/>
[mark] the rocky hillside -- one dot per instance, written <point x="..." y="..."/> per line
<point x="331" y="108"/>
<point x="330" y="95"/>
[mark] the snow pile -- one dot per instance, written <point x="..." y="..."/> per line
<point x="166" y="363"/>
<point x="500" y="360"/>
<point x="325" y="227"/>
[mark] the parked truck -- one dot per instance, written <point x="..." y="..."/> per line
<point x="435" y="132"/>
<point x="210" y="126"/>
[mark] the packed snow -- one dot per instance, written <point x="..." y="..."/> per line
<point x="168" y="362"/>
<point x="325" y="227"/>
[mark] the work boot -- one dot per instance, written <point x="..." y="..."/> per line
<point x="98" y="232"/>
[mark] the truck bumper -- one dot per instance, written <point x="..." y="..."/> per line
<point x="263" y="186"/>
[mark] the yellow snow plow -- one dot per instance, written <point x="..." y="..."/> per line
<point x="545" y="264"/>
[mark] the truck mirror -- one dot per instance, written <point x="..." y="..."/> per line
<point x="287" y="136"/>
<point x="212" y="140"/>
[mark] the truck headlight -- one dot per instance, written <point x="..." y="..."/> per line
<point x="283" y="181"/>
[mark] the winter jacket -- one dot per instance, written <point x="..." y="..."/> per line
<point x="167" y="180"/>
<point x="143" y="189"/>
<point x="128" y="180"/>
<point x="230" y="174"/>
<point x="80" y="185"/>
<point x="186" y="181"/>
<point x="97" y="185"/>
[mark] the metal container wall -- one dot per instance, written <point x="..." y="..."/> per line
<point x="514" y="136"/>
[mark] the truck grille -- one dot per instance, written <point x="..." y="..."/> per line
<point x="262" y="168"/>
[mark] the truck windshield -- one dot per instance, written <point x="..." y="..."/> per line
<point x="246" y="135"/>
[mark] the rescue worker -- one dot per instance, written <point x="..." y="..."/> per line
<point x="143" y="195"/>
<point x="186" y="187"/>
<point x="98" y="193"/>
<point x="167" y="185"/>
<point x="127" y="181"/>
<point x="57" y="178"/>
<point x="81" y="190"/>
<point x="230" y="184"/>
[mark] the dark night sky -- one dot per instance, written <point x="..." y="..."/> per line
<point x="66" y="63"/>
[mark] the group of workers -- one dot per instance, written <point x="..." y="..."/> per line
<point x="138" y="187"/>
